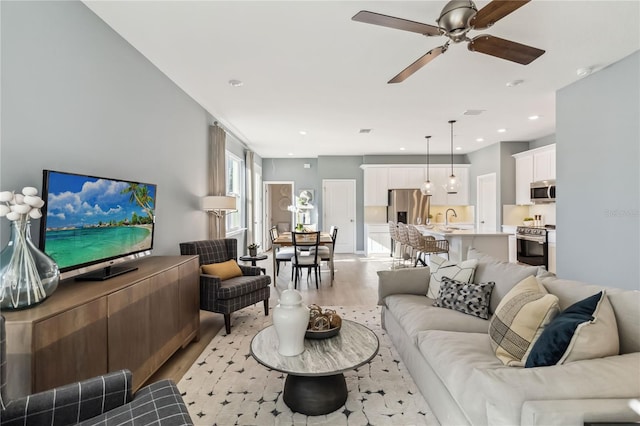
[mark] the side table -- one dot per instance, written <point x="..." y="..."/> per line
<point x="254" y="259"/>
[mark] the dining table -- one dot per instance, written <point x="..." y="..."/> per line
<point x="284" y="240"/>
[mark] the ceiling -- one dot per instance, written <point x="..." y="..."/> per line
<point x="306" y="66"/>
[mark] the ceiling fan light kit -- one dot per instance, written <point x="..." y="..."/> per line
<point x="456" y="19"/>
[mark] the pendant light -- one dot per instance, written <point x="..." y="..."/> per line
<point x="452" y="182"/>
<point x="426" y="187"/>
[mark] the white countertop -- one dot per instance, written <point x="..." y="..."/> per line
<point x="452" y="230"/>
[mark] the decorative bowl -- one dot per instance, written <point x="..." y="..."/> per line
<point x="322" y="334"/>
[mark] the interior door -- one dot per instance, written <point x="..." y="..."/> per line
<point x="486" y="198"/>
<point x="339" y="209"/>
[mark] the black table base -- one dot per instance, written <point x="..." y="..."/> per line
<point x="315" y="395"/>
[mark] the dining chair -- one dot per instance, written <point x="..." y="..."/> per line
<point x="282" y="254"/>
<point x="323" y="251"/>
<point x="305" y="259"/>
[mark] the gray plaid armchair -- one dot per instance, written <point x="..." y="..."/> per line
<point x="227" y="296"/>
<point x="103" y="400"/>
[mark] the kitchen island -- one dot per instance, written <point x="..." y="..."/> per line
<point x="493" y="243"/>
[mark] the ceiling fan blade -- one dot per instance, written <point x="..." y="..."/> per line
<point x="494" y="11"/>
<point x="397" y="23"/>
<point x="421" y="62"/>
<point x="505" y="49"/>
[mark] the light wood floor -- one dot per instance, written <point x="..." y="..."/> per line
<point x="356" y="283"/>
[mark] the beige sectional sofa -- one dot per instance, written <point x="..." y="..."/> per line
<point x="449" y="355"/>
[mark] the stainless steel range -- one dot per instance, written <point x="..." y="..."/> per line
<point x="533" y="245"/>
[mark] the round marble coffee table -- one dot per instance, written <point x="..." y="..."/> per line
<point x="315" y="383"/>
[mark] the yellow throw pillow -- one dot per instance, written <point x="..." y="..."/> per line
<point x="223" y="270"/>
<point x="519" y="320"/>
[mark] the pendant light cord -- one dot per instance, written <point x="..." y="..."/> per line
<point x="428" y="139"/>
<point x="451" y="122"/>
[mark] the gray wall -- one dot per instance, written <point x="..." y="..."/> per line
<point x="76" y="97"/>
<point x="598" y="152"/>
<point x="547" y="140"/>
<point x="496" y="158"/>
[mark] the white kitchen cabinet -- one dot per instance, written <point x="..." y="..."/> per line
<point x="376" y="186"/>
<point x="524" y="177"/>
<point x="378" y="240"/>
<point x="532" y="166"/>
<point x="544" y="164"/>
<point x="405" y="177"/>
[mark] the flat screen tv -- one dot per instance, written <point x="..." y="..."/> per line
<point x="92" y="221"/>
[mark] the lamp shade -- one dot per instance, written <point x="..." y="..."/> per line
<point x="218" y="202"/>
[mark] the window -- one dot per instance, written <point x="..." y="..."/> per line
<point x="234" y="187"/>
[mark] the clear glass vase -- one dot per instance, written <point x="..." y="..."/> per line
<point x="27" y="275"/>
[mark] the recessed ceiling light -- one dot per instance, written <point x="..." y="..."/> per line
<point x="515" y="83"/>
<point x="502" y="130"/>
<point x="235" y="83"/>
<point x="302" y="132"/>
<point x="480" y="140"/>
<point x="473" y="112"/>
<point x="402" y="148"/>
<point x="290" y="154"/>
<point x="534" y="117"/>
<point x="458" y="148"/>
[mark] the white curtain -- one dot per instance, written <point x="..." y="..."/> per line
<point x="250" y="196"/>
<point x="217" y="176"/>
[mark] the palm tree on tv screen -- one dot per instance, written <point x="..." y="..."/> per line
<point x="140" y="195"/>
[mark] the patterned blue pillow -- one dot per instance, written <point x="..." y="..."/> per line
<point x="468" y="298"/>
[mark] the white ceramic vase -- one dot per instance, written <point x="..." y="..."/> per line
<point x="290" y="319"/>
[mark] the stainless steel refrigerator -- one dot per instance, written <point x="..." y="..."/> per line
<point x="408" y="206"/>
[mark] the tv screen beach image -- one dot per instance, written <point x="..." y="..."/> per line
<point x="91" y="219"/>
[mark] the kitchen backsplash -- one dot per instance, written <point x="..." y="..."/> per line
<point x="465" y="214"/>
<point x="513" y="215"/>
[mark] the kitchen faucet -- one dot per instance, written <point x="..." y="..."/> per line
<point x="446" y="216"/>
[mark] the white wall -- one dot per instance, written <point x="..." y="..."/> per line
<point x="598" y="178"/>
<point x="76" y="97"/>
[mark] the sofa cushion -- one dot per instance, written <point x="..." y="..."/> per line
<point x="603" y="378"/>
<point x="585" y="330"/>
<point x="624" y="302"/>
<point x="504" y="274"/>
<point x="441" y="267"/>
<point x="519" y="320"/>
<point x="468" y="298"/>
<point x="417" y="313"/>
<point x="454" y="357"/>
<point x="222" y="270"/>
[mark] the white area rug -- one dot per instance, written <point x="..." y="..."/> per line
<point x="226" y="386"/>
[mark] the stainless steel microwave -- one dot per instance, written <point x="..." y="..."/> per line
<point x="543" y="191"/>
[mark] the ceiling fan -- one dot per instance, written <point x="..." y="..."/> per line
<point x="457" y="18"/>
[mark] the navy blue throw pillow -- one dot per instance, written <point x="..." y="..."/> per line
<point x="556" y="337"/>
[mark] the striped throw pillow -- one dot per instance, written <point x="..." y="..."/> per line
<point x="441" y="267"/>
<point x="519" y="320"/>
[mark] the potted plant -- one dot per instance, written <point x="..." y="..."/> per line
<point x="253" y="249"/>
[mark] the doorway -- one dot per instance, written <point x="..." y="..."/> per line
<point x="339" y="209"/>
<point x="278" y="196"/>
<point x="486" y="217"/>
